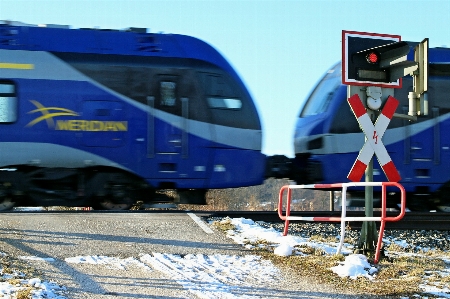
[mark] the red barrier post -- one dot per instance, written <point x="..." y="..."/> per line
<point x="383" y="219"/>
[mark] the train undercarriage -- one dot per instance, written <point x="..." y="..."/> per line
<point x="99" y="188"/>
<point x="303" y="171"/>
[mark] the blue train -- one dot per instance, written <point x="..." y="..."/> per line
<point x="104" y="118"/>
<point x="328" y="138"/>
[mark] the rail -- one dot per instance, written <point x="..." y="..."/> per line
<point x="344" y="186"/>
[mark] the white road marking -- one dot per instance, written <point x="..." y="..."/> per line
<point x="200" y="223"/>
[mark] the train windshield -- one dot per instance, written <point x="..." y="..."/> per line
<point x="321" y="96"/>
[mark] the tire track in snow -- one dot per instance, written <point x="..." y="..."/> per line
<point x="215" y="276"/>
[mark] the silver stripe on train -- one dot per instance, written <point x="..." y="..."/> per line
<point x="46" y="66"/>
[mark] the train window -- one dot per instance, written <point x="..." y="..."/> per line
<point x="438" y="91"/>
<point x="218" y="86"/>
<point x="320" y="98"/>
<point x="168" y="93"/>
<point x="225" y="103"/>
<point x="8" y="102"/>
<point x="344" y="121"/>
<point x="7" y="88"/>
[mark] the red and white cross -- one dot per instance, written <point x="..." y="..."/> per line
<point x="373" y="144"/>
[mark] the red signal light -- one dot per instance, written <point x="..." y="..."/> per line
<point x="372" y="57"/>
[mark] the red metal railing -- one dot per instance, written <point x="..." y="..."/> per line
<point x="344" y="186"/>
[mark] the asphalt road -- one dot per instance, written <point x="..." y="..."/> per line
<point x="124" y="235"/>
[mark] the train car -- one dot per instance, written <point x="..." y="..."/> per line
<point x="328" y="138"/>
<point x="105" y="118"/>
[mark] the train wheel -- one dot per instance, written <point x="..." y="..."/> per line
<point x="119" y="197"/>
<point x="112" y="191"/>
<point x="6" y="201"/>
<point x="418" y="203"/>
<point x="445" y="209"/>
<point x="111" y="205"/>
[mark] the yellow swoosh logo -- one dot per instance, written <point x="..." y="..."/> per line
<point x="47" y="116"/>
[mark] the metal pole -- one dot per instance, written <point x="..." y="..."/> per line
<point x="332" y="200"/>
<point x="368" y="236"/>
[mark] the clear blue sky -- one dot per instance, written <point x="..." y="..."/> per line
<point x="280" y="48"/>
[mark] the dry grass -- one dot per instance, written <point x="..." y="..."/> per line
<point x="14" y="272"/>
<point x="396" y="277"/>
<point x="24" y="294"/>
<point x="224" y="225"/>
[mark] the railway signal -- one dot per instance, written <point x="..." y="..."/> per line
<point x="372" y="65"/>
<point x="384" y="64"/>
<point x="372" y="59"/>
<point x="418" y="98"/>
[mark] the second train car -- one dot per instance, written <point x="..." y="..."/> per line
<point x="328" y="137"/>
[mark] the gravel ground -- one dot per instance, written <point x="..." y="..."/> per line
<point x="125" y="235"/>
<point x="417" y="240"/>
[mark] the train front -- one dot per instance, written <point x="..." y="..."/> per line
<point x="327" y="136"/>
<point x="233" y="138"/>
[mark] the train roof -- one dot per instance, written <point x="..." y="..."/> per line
<point x="438" y="60"/>
<point x="131" y="41"/>
<point x="435" y="55"/>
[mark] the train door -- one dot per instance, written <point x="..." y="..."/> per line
<point x="424" y="138"/>
<point x="421" y="146"/>
<point x="170" y="117"/>
<point x="172" y="106"/>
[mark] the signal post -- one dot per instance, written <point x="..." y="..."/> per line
<point x="372" y="67"/>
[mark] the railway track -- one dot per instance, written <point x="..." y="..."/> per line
<point x="411" y="221"/>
